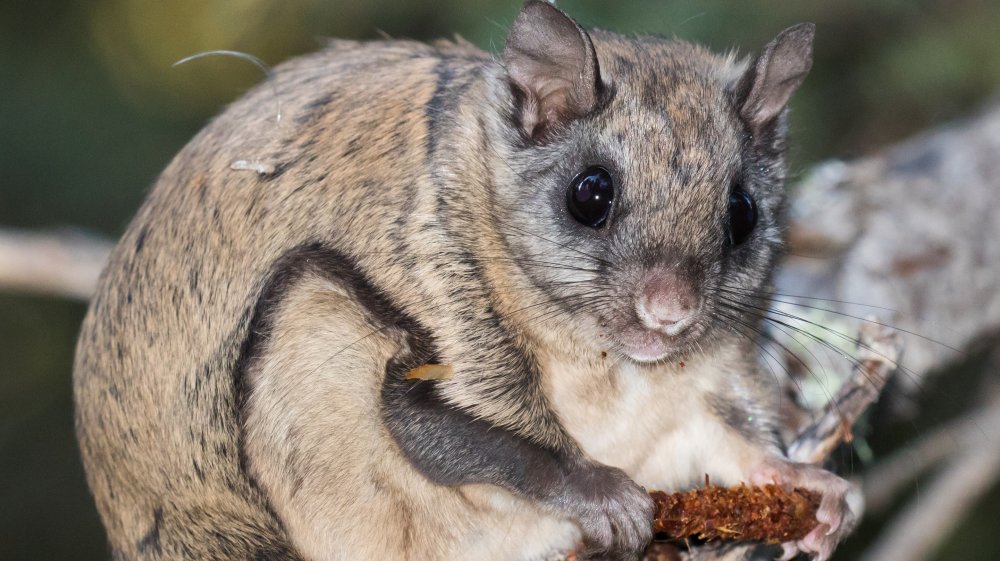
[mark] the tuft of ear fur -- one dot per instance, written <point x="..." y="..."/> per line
<point x="552" y="68"/>
<point x="765" y="88"/>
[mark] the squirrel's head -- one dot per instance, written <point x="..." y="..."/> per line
<point x="640" y="180"/>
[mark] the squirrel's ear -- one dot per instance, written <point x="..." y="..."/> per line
<point x="552" y="68"/>
<point x="764" y="90"/>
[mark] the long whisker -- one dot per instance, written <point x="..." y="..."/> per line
<point x="562" y="245"/>
<point x="737" y="309"/>
<point x="781" y="364"/>
<point x="875" y="322"/>
<point x="781" y="327"/>
<point x="773" y="295"/>
<point x="556" y="302"/>
<point x="763" y="314"/>
<point x="720" y="316"/>
<point x="784" y="348"/>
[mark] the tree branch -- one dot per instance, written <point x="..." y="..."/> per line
<point x="911" y="230"/>
<point x="58" y="264"/>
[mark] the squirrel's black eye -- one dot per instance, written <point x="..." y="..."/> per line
<point x="742" y="216"/>
<point x="589" y="196"/>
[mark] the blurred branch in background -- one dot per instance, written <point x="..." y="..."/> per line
<point x="893" y="475"/>
<point x="57" y="263"/>
<point x="910" y="232"/>
<point x="917" y="532"/>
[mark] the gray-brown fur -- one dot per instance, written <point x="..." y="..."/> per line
<point x="238" y="374"/>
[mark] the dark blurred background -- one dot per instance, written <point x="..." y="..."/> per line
<point x="91" y="110"/>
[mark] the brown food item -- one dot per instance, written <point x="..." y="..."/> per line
<point x="431" y="372"/>
<point x="768" y="513"/>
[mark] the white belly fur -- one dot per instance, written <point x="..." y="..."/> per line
<point x="653" y="422"/>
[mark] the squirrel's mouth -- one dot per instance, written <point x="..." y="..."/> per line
<point x="647" y="351"/>
<point x="645" y="345"/>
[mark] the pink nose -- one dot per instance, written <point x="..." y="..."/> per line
<point x="666" y="302"/>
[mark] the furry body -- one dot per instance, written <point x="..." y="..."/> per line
<point x="239" y="374"/>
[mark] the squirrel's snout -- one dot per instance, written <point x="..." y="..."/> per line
<point x="666" y="302"/>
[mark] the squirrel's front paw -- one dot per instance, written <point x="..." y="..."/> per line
<point x="835" y="516"/>
<point x="614" y="513"/>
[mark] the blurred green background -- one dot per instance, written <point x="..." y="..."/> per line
<point x="91" y="110"/>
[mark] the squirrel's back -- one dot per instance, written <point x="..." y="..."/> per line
<point x="164" y="331"/>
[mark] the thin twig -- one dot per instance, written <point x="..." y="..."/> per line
<point x="879" y="349"/>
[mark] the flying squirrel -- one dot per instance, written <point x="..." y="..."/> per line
<point x="564" y="224"/>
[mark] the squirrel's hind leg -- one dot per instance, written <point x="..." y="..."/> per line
<point x="316" y="444"/>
